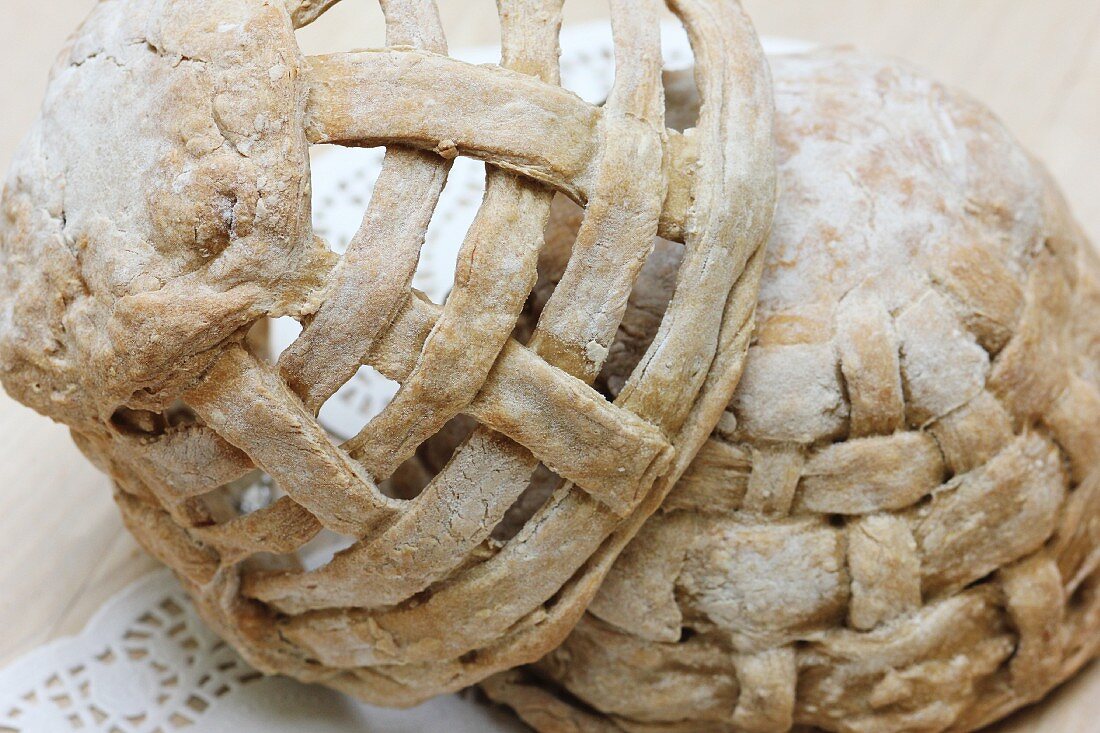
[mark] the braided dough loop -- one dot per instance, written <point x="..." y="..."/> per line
<point x="127" y="301"/>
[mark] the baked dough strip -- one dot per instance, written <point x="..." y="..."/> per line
<point x="392" y="96"/>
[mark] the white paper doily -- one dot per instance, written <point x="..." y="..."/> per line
<point x="145" y="663"/>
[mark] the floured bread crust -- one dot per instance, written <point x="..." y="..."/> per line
<point x="159" y="211"/>
<point x="894" y="526"/>
<point x="159" y="206"/>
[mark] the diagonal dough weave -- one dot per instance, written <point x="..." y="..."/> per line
<point x="159" y="210"/>
<point x="896" y="525"/>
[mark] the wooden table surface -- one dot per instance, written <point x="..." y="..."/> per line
<point x="1037" y="63"/>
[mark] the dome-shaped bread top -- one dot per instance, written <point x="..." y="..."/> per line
<point x="159" y="212"/>
<point x="159" y="205"/>
<point x="894" y="526"/>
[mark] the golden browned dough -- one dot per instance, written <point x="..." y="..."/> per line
<point x="896" y="524"/>
<point x="159" y="210"/>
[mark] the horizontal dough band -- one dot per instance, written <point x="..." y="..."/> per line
<point x="379" y="97"/>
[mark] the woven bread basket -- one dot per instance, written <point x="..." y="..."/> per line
<point x="896" y="525"/>
<point x="159" y="211"/>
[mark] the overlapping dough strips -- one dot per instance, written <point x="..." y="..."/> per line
<point x="607" y="252"/>
<point x="377" y="618"/>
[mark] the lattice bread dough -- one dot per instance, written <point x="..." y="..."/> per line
<point x="159" y="209"/>
<point x="896" y="525"/>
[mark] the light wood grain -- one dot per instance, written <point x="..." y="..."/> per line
<point x="1036" y="63"/>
